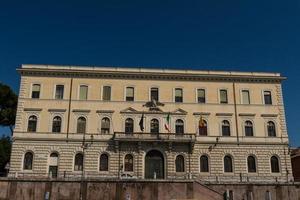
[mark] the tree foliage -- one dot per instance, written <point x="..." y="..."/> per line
<point x="5" y="148"/>
<point x="8" y="106"/>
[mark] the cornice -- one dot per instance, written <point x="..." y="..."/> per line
<point x="144" y="75"/>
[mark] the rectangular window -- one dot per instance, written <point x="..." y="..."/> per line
<point x="154" y="94"/>
<point x="201" y="95"/>
<point x="106" y="95"/>
<point x="245" y="97"/>
<point x="268" y="97"/>
<point x="223" y="96"/>
<point x="178" y="95"/>
<point x="59" y="92"/>
<point x="129" y="94"/>
<point x="36" y="88"/>
<point x="83" y="92"/>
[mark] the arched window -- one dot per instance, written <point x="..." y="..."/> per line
<point x="32" y="122"/>
<point x="154" y="126"/>
<point x="275" y="164"/>
<point x="128" y="163"/>
<point x="248" y="128"/>
<point x="228" y="164"/>
<point x="271" y="129"/>
<point x="179" y="162"/>
<point x="105" y="125"/>
<point x="53" y="165"/>
<point x="56" y="124"/>
<point x="104" y="162"/>
<point x="129" y="126"/>
<point x="81" y="125"/>
<point x="251" y="162"/>
<point x="78" y="165"/>
<point x="28" y="160"/>
<point x="179" y="126"/>
<point x="225" y="128"/>
<point x="204" y="167"/>
<point x="202" y="127"/>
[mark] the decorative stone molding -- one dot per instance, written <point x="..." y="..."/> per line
<point x="33" y="109"/>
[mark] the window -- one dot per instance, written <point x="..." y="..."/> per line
<point x="28" y="160"/>
<point x="245" y="97"/>
<point x="32" y="122"/>
<point x="53" y="165"/>
<point x="204" y="164"/>
<point x="251" y="162"/>
<point x="179" y="162"/>
<point x="267" y="97"/>
<point x="202" y="127"/>
<point x="271" y="129"/>
<point x="179" y="126"/>
<point x="154" y="94"/>
<point x="106" y="95"/>
<point x="274" y="164"/>
<point x="83" y="92"/>
<point x="104" y="162"/>
<point x="59" y="92"/>
<point x="178" y="95"/>
<point x="154" y="126"/>
<point x="36" y="89"/>
<point x="128" y="163"/>
<point x="223" y="96"/>
<point x="129" y="126"/>
<point x="225" y="128"/>
<point x="228" y="164"/>
<point x="56" y="124"/>
<point x="201" y="95"/>
<point x="129" y="94"/>
<point x="78" y="165"/>
<point x="105" y="125"/>
<point x="81" y="125"/>
<point x="248" y="128"/>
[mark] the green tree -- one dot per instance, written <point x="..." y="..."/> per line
<point x="5" y="148"/>
<point x="8" y="106"/>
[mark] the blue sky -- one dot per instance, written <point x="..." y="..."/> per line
<point x="248" y="35"/>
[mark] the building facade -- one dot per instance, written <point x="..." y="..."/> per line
<point x="134" y="123"/>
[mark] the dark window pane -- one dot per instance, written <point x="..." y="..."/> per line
<point x="268" y="97"/>
<point x="179" y="163"/>
<point x="128" y="126"/>
<point x="154" y="126"/>
<point x="201" y="95"/>
<point x="28" y="160"/>
<point x="104" y="162"/>
<point x="179" y="126"/>
<point x="227" y="164"/>
<point x="81" y="125"/>
<point x="78" y="166"/>
<point x="225" y="128"/>
<point x="105" y="125"/>
<point x="274" y="164"/>
<point x="251" y="164"/>
<point x="204" y="164"/>
<point x="56" y="124"/>
<point x="178" y="95"/>
<point x="248" y="128"/>
<point x="202" y="127"/>
<point x="129" y="94"/>
<point x="223" y="96"/>
<point x="106" y="93"/>
<point x="128" y="163"/>
<point x="32" y="122"/>
<point x="271" y="129"/>
<point x="36" y="91"/>
<point x="59" y="92"/>
<point x="154" y="94"/>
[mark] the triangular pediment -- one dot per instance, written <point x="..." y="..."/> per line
<point x="180" y="111"/>
<point x="128" y="110"/>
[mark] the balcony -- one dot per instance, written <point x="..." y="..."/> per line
<point x="150" y="137"/>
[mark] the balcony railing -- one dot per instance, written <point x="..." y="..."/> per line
<point x="151" y="137"/>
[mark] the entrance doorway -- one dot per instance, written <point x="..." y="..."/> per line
<point x="154" y="165"/>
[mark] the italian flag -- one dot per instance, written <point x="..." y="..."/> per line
<point x="167" y="123"/>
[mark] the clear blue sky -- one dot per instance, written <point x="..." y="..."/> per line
<point x="247" y="35"/>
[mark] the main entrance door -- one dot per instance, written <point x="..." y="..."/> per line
<point x="154" y="165"/>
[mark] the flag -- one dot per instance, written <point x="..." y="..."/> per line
<point x="167" y="123"/>
<point x="142" y="123"/>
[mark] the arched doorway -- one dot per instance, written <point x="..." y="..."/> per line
<point x="154" y="165"/>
